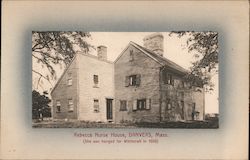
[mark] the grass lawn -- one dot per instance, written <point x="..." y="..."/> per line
<point x="209" y="123"/>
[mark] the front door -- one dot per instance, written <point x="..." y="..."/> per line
<point x="109" y="109"/>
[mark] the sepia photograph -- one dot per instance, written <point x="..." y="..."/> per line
<point x="125" y="79"/>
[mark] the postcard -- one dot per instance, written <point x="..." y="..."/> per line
<point x="125" y="80"/>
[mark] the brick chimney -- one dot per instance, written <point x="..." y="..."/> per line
<point x="154" y="42"/>
<point x="102" y="52"/>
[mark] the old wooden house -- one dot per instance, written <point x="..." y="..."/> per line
<point x="149" y="87"/>
<point x="140" y="86"/>
<point x="85" y="90"/>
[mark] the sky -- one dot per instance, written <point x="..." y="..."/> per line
<point x="116" y="42"/>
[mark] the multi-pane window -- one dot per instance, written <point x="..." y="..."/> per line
<point x="70" y="105"/>
<point x="168" y="78"/>
<point x="133" y="80"/>
<point x="96" y="105"/>
<point x="69" y="80"/>
<point x="141" y="104"/>
<point x="123" y="105"/>
<point x="58" y="106"/>
<point x="95" y="79"/>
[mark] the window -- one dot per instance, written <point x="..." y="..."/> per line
<point x="96" y="105"/>
<point x="123" y="105"/>
<point x="58" y="106"/>
<point x="131" y="55"/>
<point x="141" y="104"/>
<point x="95" y="79"/>
<point x="168" y="78"/>
<point x="70" y="105"/>
<point x="133" y="80"/>
<point x="69" y="79"/>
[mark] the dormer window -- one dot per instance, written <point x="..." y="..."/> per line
<point x="131" y="55"/>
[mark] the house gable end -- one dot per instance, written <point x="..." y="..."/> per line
<point x="138" y="50"/>
<point x="64" y="74"/>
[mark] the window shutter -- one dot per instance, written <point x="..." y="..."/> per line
<point x="138" y="79"/>
<point x="148" y="104"/>
<point x="126" y="81"/>
<point x="134" y="105"/>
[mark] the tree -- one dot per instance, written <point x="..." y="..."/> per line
<point x="56" y="48"/>
<point x="204" y="46"/>
<point x="40" y="105"/>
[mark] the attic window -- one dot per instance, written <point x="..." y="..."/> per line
<point x="131" y="55"/>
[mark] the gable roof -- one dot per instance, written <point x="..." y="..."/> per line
<point x="68" y="66"/>
<point x="160" y="59"/>
<point x="64" y="72"/>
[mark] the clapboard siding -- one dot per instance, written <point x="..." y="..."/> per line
<point x="88" y="67"/>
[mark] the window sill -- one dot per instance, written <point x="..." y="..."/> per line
<point x="71" y="111"/>
<point x="95" y="87"/>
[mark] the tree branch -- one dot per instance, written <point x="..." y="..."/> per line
<point x="42" y="76"/>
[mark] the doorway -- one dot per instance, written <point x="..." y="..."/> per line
<point x="109" y="105"/>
